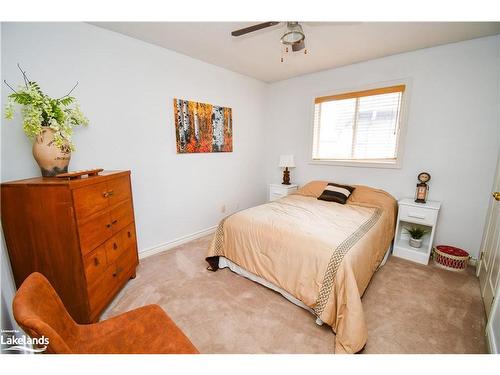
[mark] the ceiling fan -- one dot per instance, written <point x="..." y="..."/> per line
<point x="294" y="35"/>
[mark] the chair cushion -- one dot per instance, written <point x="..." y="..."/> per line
<point x="146" y="330"/>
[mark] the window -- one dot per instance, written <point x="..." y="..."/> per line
<point x="360" y="127"/>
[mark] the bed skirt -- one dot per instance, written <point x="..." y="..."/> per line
<point x="223" y="262"/>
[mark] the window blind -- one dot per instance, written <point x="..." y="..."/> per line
<point x="358" y="126"/>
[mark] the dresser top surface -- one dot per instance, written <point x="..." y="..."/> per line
<point x="77" y="182"/>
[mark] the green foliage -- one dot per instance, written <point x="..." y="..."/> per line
<point x="416" y="232"/>
<point x="39" y="111"/>
<point x="67" y="100"/>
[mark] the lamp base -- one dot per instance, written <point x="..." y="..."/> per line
<point x="286" y="177"/>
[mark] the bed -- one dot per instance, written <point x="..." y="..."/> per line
<point x="320" y="255"/>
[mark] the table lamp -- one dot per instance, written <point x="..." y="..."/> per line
<point x="286" y="161"/>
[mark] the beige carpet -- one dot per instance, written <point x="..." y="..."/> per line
<point x="408" y="308"/>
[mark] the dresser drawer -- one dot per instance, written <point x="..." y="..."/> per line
<point x="417" y="215"/>
<point x="125" y="265"/>
<point x="111" y="280"/>
<point x="90" y="199"/>
<point x="95" y="231"/>
<point x="95" y="264"/>
<point x="119" y="190"/>
<point x="120" y="242"/>
<point x="96" y="197"/>
<point x="101" y="291"/>
<point x="121" y="216"/>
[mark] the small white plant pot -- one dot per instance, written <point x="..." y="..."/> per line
<point x="415" y="243"/>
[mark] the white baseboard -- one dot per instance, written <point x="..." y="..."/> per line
<point x="178" y="241"/>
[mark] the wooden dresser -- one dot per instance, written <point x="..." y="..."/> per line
<point x="79" y="233"/>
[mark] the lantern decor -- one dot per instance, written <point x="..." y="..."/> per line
<point x="422" y="187"/>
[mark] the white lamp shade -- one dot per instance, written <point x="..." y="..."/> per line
<point x="287" y="161"/>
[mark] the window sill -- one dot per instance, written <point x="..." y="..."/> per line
<point x="360" y="164"/>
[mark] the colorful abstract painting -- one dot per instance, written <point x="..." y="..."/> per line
<point x="201" y="127"/>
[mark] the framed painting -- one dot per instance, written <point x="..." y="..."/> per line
<point x="202" y="127"/>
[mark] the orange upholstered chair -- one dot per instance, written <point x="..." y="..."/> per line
<point x="40" y="312"/>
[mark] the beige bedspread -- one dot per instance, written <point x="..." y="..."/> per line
<point x="322" y="253"/>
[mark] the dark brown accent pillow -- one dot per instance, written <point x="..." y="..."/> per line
<point x="336" y="193"/>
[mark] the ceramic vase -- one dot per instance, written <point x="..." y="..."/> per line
<point x="51" y="159"/>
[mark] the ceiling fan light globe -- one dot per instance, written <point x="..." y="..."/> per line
<point x="292" y="37"/>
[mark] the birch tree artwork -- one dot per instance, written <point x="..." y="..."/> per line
<point x="201" y="127"/>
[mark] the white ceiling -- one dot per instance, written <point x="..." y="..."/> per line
<point x="329" y="44"/>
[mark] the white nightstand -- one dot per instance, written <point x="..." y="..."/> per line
<point x="277" y="191"/>
<point x="419" y="214"/>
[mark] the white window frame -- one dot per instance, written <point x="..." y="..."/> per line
<point x="403" y="119"/>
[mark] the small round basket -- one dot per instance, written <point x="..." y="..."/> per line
<point x="451" y="258"/>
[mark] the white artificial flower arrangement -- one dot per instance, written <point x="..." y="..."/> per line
<point x="41" y="111"/>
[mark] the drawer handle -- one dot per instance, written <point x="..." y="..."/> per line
<point x="96" y="261"/>
<point x="108" y="193"/>
<point x="118" y="271"/>
<point x="109" y="225"/>
<point x="417" y="216"/>
<point x="128" y="234"/>
<point x="115" y="246"/>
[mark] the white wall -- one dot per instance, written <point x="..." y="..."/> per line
<point x="126" y="90"/>
<point x="452" y="130"/>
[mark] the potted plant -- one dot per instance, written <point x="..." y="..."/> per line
<point x="49" y="122"/>
<point x="416" y="234"/>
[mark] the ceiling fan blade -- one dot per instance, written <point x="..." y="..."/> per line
<point x="298" y="46"/>
<point x="250" y="29"/>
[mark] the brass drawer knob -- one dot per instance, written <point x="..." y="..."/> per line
<point x="108" y="193"/>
